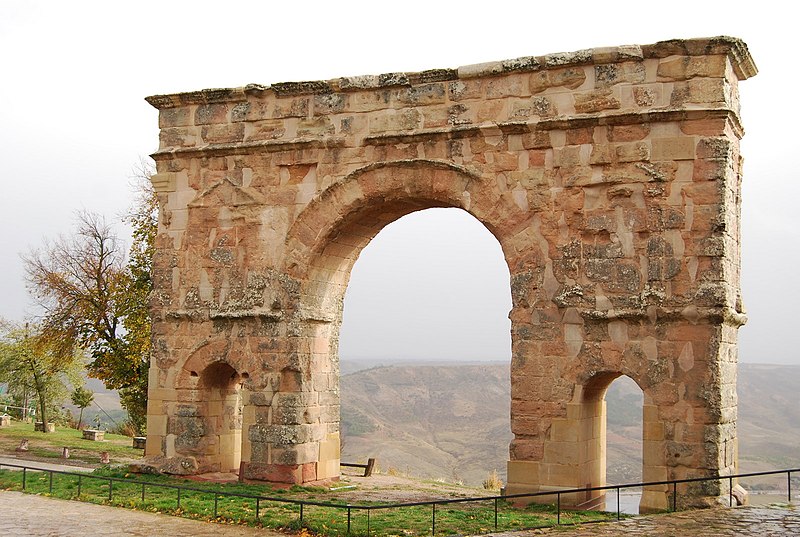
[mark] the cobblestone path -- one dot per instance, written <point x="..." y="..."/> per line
<point x="35" y="516"/>
<point x="721" y="522"/>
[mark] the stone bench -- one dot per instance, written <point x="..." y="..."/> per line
<point x="91" y="434"/>
<point x="39" y="426"/>
<point x="368" y="468"/>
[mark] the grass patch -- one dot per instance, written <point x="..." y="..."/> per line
<point x="224" y="503"/>
<point x="49" y="445"/>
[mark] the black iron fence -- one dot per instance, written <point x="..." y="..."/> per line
<point x="349" y="509"/>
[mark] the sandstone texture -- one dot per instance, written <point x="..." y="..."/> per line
<point x="610" y="177"/>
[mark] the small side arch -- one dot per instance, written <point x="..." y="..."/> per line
<point x="592" y="417"/>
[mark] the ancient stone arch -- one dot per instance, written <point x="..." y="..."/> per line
<point x="610" y="177"/>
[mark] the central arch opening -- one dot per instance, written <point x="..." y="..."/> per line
<point x="425" y="347"/>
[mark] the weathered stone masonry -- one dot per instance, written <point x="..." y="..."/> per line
<point x="610" y="177"/>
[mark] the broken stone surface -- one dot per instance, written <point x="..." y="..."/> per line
<point x="611" y="178"/>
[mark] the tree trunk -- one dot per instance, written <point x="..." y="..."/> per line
<point x="80" y="419"/>
<point x="43" y="408"/>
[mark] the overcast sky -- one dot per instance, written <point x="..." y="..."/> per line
<point x="74" y="123"/>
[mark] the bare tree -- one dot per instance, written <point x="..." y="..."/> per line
<point x="78" y="280"/>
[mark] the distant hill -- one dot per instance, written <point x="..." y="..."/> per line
<point x="447" y="422"/>
<point x="451" y="421"/>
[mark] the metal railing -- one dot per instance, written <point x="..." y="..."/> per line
<point x="350" y="508"/>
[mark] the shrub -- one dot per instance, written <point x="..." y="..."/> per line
<point x="493" y="481"/>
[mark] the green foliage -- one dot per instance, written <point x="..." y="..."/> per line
<point x="36" y="369"/>
<point x="81" y="398"/>
<point x="96" y="301"/>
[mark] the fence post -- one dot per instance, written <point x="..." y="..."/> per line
<point x="179" y="498"/>
<point x="258" y="502"/>
<point x="301" y="512"/>
<point x="142" y="492"/>
<point x="495" y="514"/>
<point x="433" y="520"/>
<point x="348" y="520"/>
<point x="368" y="512"/>
<point x="618" y="506"/>
<point x="216" y="497"/>
<point x="24" y="477"/>
<point x="730" y="491"/>
<point x="51" y="482"/>
<point x="110" y="489"/>
<point x="79" y="486"/>
<point x="789" y="485"/>
<point x="558" y="508"/>
<point x="674" y="496"/>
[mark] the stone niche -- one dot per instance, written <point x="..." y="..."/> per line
<point x="610" y="177"/>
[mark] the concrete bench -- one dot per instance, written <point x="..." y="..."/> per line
<point x="91" y="434"/>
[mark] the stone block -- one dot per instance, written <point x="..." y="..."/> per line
<point x="571" y="78"/>
<point x="218" y="134"/>
<point x="153" y="447"/>
<point x="596" y="101"/>
<point x="687" y="67"/>
<point x="284" y="434"/>
<point x="682" y="148"/>
<point x="329" y="449"/>
<point x="610" y="74"/>
<point x="565" y="430"/>
<point x="279" y="473"/>
<point x="523" y="473"/>
<point x="699" y="91"/>
<point x="207" y="114"/>
<point x="296" y="454"/>
<point x="392" y="121"/>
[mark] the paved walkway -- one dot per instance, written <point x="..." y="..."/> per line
<point x="720" y="522"/>
<point x="44" y="465"/>
<point x="35" y="516"/>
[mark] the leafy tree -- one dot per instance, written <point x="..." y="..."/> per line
<point x="143" y="218"/>
<point x="95" y="300"/>
<point x="29" y="362"/>
<point x="82" y="398"/>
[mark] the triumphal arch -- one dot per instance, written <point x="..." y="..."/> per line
<point x="610" y="177"/>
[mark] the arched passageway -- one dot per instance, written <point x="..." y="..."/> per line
<point x="427" y="295"/>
